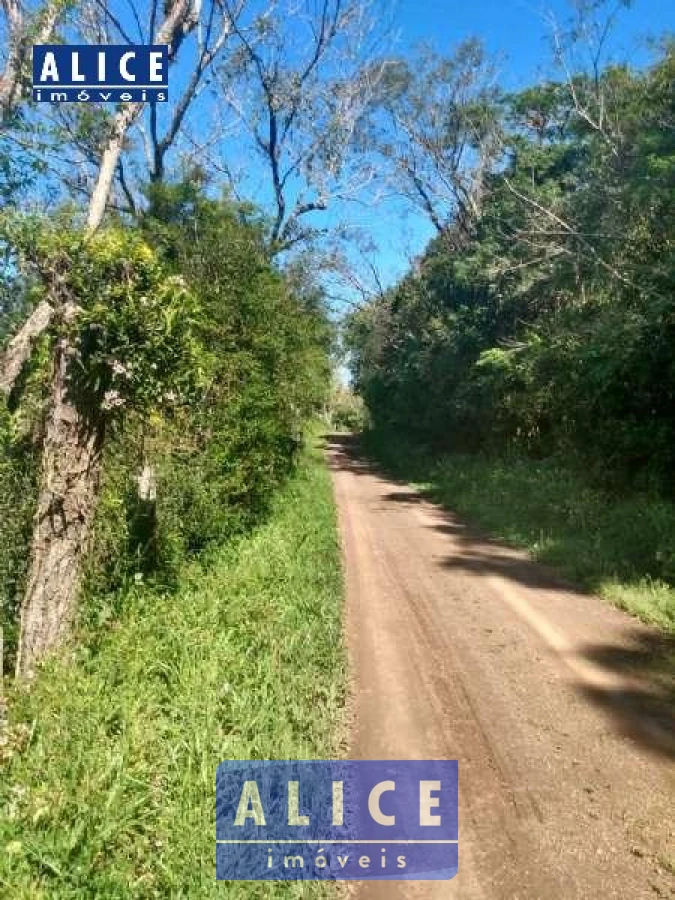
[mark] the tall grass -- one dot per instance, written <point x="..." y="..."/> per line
<point x="108" y="778"/>
<point x="619" y="546"/>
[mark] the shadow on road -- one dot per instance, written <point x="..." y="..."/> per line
<point x="648" y="709"/>
<point x="645" y="658"/>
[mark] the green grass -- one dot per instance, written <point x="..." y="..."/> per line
<point x="108" y="781"/>
<point x="620" y="547"/>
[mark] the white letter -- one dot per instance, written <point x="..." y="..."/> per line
<point x="250" y="796"/>
<point x="294" y="817"/>
<point x="49" y="69"/>
<point x="75" y="64"/>
<point x="124" y="72"/>
<point x="374" y="803"/>
<point x="338" y="803"/>
<point x="101" y="65"/>
<point x="427" y="802"/>
<point x="156" y="66"/>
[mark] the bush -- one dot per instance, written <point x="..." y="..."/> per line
<point x="18" y="487"/>
<point x="205" y="365"/>
<point x="346" y="411"/>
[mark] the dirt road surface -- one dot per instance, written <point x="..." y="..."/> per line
<point x="461" y="648"/>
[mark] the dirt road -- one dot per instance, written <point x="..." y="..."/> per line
<point x="464" y="649"/>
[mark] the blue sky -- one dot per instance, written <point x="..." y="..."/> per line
<point x="517" y="32"/>
<point x="517" y="29"/>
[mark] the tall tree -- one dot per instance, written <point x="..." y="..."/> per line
<point x="439" y="132"/>
<point x="22" y="28"/>
<point x="74" y="434"/>
<point x="551" y="327"/>
<point x="300" y="90"/>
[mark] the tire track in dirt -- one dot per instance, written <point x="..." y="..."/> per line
<point x="463" y="648"/>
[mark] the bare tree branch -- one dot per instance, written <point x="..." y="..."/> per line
<point x="19" y="348"/>
<point x="571" y="232"/>
<point x="596" y="119"/>
<point x="126" y="190"/>
<point x="181" y="19"/>
<point x="109" y="16"/>
<point x="207" y="51"/>
<point x="300" y="95"/>
<point x="439" y="135"/>
<point x="41" y="27"/>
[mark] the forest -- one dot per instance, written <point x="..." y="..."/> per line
<point x="537" y="328"/>
<point x="541" y="317"/>
<point x="161" y="359"/>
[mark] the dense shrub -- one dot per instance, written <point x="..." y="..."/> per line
<point x="18" y="476"/>
<point x="551" y="327"/>
<point x="346" y="410"/>
<point x="206" y="363"/>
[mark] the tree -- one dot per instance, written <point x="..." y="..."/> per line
<point x="75" y="429"/>
<point x="23" y="29"/>
<point x="216" y="27"/>
<point x="550" y="328"/>
<point x="311" y="101"/>
<point x="301" y="93"/>
<point x="181" y="19"/>
<point x="439" y="132"/>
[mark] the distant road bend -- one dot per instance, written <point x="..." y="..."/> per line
<point x="462" y="648"/>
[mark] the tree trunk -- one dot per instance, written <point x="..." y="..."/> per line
<point x="21" y="34"/>
<point x="19" y="348"/>
<point x="72" y="449"/>
<point x="71" y="468"/>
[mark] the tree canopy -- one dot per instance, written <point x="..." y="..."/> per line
<point x="550" y="327"/>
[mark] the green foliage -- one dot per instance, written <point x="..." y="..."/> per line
<point x="134" y="337"/>
<point x="552" y="328"/>
<point x="199" y="357"/>
<point x="260" y="368"/>
<point x="18" y="490"/>
<point x="18" y="170"/>
<point x="346" y="411"/>
<point x="131" y="338"/>
<point x="262" y="364"/>
<point x="107" y="781"/>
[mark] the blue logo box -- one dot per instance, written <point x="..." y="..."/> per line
<point x="336" y="820"/>
<point x="100" y="73"/>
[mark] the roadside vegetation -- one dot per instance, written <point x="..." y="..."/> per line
<point x="183" y="391"/>
<point x="154" y="445"/>
<point x="345" y="410"/>
<point x="109" y="761"/>
<point x="619" y="547"/>
<point x="525" y="367"/>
